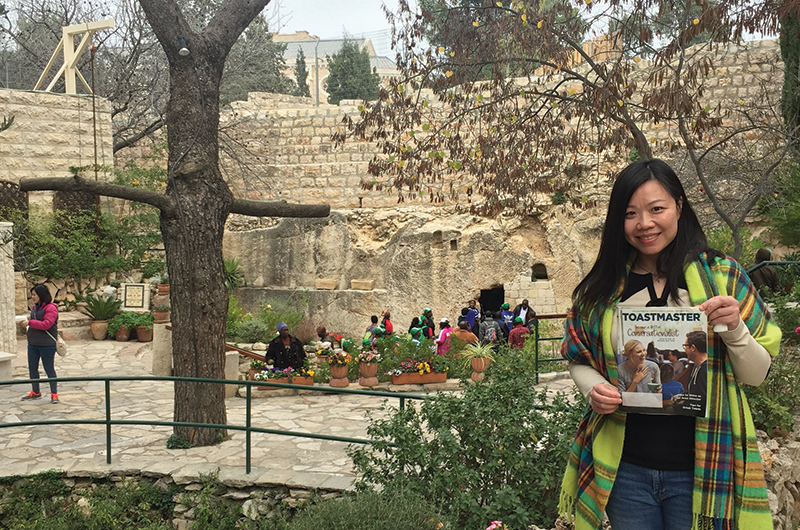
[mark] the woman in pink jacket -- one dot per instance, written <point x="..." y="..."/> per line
<point x="42" y="334"/>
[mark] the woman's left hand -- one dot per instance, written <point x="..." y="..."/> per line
<point x="722" y="310"/>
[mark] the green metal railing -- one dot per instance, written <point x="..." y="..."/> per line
<point x="537" y="360"/>
<point x="247" y="427"/>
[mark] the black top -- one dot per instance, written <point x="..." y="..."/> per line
<point x="662" y="442"/>
<point x="285" y="357"/>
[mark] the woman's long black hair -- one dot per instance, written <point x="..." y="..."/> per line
<point x="43" y="293"/>
<point x="609" y="270"/>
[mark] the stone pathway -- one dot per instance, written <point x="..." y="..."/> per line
<point x="80" y="449"/>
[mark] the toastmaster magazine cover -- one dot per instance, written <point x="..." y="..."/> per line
<point x="661" y="360"/>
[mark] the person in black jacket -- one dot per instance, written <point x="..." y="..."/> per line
<point x="285" y="350"/>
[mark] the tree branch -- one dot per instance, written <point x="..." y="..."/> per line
<point x="127" y="142"/>
<point x="279" y="209"/>
<point x="232" y="19"/>
<point x="159" y="200"/>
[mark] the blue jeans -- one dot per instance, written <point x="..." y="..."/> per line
<point x="649" y="499"/>
<point x="47" y="354"/>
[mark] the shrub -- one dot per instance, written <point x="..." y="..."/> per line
<point x="369" y="510"/>
<point x="101" y="307"/>
<point x="254" y="331"/>
<point x="129" y="319"/>
<point x="496" y="452"/>
<point x="291" y="311"/>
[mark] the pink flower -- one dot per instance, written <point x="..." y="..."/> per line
<point x="797" y="330"/>
<point x="496" y="525"/>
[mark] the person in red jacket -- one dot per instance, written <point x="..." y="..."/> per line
<point x="387" y="326"/>
<point x="42" y="336"/>
<point x="516" y="337"/>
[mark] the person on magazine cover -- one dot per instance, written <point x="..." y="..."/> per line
<point x="638" y="370"/>
<point x="658" y="471"/>
<point x="697" y="382"/>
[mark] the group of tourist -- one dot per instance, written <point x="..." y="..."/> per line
<point x="472" y="326"/>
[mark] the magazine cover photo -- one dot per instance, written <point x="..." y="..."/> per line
<point x="662" y="361"/>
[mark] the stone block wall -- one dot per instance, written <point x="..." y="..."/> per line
<point x="539" y="293"/>
<point x="52" y="132"/>
<point x="279" y="147"/>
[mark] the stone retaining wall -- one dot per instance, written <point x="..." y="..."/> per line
<point x="285" y="141"/>
<point x="257" y="498"/>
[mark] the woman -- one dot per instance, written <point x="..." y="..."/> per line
<point x="617" y="458"/>
<point x="42" y="334"/>
<point x="638" y="370"/>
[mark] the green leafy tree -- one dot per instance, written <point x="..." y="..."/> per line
<point x="301" y="75"/>
<point x="350" y="76"/>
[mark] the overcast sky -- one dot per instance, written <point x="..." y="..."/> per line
<point x="329" y="19"/>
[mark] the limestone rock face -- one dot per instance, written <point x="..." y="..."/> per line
<point x="414" y="258"/>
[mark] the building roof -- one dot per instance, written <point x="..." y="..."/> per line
<point x="326" y="47"/>
<point x="382" y="62"/>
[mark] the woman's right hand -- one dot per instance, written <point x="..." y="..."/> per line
<point x="639" y="374"/>
<point x="604" y="398"/>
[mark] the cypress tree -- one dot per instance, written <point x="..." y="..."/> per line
<point x="301" y="74"/>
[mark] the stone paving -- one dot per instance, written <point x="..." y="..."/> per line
<point x="80" y="449"/>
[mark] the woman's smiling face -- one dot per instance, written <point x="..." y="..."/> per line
<point x="637" y="354"/>
<point x="651" y="219"/>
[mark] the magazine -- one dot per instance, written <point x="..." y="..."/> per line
<point x="661" y="360"/>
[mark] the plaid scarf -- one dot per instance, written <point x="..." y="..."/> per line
<point x="729" y="488"/>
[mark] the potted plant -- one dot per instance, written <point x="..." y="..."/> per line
<point x="337" y="362"/>
<point x="479" y="356"/>
<point x="256" y="366"/>
<point x="100" y="309"/>
<point x="144" y="327"/>
<point x="121" y="324"/>
<point x="161" y="313"/>
<point x="303" y="376"/>
<point x="163" y="284"/>
<point x="417" y="372"/>
<point x="273" y="375"/>
<point x="368" y="367"/>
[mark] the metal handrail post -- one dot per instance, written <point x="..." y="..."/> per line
<point x="247" y="432"/>
<point x="108" y="420"/>
<point x="536" y="350"/>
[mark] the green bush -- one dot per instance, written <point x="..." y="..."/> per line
<point x="255" y="331"/>
<point x="236" y="316"/>
<point x="496" y="452"/>
<point x="291" y="311"/>
<point x="129" y="319"/>
<point x="371" y="511"/>
<point x="722" y="240"/>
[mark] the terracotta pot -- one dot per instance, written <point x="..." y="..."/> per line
<point x="369" y="371"/>
<point x="143" y="335"/>
<point x="339" y="376"/>
<point x="251" y="374"/>
<point x="479" y="365"/>
<point x="122" y="334"/>
<point x="162" y="288"/>
<point x="308" y="381"/>
<point x="279" y="380"/>
<point x="417" y="379"/>
<point x="99" y="329"/>
<point x="161" y="317"/>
